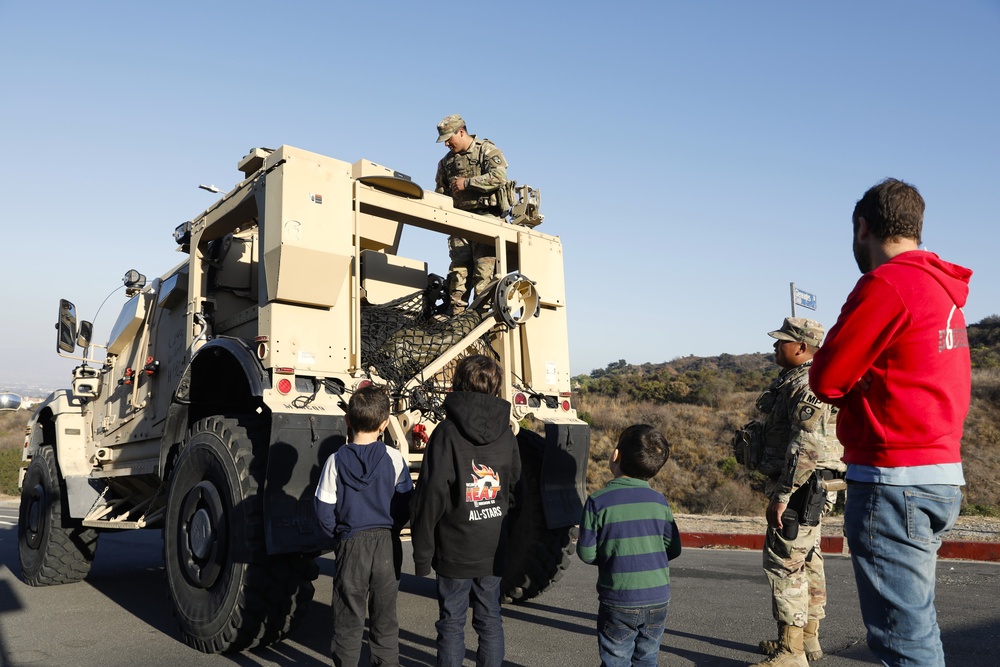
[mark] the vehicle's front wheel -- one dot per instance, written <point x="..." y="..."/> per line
<point x="228" y="594"/>
<point x="52" y="549"/>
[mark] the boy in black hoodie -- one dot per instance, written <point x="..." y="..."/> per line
<point x="460" y="506"/>
<point x="362" y="501"/>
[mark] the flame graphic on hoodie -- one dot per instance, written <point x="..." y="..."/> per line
<point x="484" y="486"/>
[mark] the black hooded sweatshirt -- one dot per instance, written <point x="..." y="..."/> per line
<point x="463" y="495"/>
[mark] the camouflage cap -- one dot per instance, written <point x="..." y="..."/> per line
<point x="800" y="330"/>
<point x="448" y="126"/>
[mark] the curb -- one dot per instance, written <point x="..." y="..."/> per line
<point x="954" y="550"/>
<point x="829" y="544"/>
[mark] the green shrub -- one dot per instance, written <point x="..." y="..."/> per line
<point x="730" y="467"/>
<point x="10" y="464"/>
<point x="981" y="510"/>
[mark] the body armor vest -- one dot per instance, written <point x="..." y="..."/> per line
<point x="469" y="164"/>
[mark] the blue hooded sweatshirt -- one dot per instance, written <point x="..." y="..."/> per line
<point x="363" y="487"/>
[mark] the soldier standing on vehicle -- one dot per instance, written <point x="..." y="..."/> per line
<point x="795" y="446"/>
<point x="471" y="173"/>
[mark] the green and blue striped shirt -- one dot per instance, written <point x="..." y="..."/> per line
<point x="628" y="531"/>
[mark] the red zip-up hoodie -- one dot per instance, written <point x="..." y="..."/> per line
<point x="903" y="330"/>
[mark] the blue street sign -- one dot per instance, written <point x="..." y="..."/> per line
<point x="805" y="299"/>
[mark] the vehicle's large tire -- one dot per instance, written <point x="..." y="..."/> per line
<point x="52" y="549"/>
<point x="228" y="594"/>
<point x="536" y="555"/>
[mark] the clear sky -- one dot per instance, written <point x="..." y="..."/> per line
<point x="694" y="157"/>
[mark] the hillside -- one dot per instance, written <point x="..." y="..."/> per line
<point x="698" y="402"/>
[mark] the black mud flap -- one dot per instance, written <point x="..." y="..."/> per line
<point x="564" y="473"/>
<point x="300" y="445"/>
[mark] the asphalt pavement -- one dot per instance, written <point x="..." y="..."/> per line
<point x="120" y="615"/>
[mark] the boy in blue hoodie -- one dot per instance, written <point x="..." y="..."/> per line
<point x="362" y="501"/>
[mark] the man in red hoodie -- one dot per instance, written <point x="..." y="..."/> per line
<point x="897" y="365"/>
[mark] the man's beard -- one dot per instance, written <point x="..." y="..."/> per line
<point x="862" y="256"/>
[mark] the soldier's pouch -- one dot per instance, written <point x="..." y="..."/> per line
<point x="506" y="196"/>
<point x="778" y="547"/>
<point x="748" y="445"/>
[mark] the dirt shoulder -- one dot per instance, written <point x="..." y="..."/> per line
<point x="967" y="528"/>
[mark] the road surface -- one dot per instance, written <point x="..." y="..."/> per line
<point x="119" y="616"/>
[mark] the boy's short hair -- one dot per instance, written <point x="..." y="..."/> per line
<point x="369" y="407"/>
<point x="642" y="451"/>
<point x="478" y="373"/>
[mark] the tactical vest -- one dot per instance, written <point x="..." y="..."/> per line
<point x="469" y="164"/>
<point x="764" y="443"/>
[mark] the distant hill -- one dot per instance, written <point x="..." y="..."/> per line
<point x="703" y="380"/>
<point x="690" y="380"/>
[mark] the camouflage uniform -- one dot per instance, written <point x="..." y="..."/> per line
<point x="485" y="167"/>
<point x="803" y="429"/>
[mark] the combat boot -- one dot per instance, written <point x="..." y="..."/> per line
<point x="790" y="652"/>
<point x="810" y="640"/>
<point x="770" y="646"/>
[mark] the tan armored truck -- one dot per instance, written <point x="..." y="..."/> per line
<point x="223" y="386"/>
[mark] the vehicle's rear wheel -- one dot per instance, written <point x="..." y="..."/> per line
<point x="228" y="594"/>
<point x="536" y="555"/>
<point x="52" y="549"/>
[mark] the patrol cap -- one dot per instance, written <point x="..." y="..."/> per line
<point x="448" y="126"/>
<point x="800" y="330"/>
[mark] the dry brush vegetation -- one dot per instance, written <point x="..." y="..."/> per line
<point x="11" y="443"/>
<point x="699" y="402"/>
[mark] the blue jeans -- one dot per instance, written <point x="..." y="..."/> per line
<point x="629" y="636"/>
<point x="454" y="596"/>
<point x="894" y="533"/>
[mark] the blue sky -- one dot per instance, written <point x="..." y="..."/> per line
<point x="695" y="158"/>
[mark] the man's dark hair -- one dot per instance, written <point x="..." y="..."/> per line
<point x="642" y="451"/>
<point x="893" y="210"/>
<point x="478" y="373"/>
<point x="369" y="407"/>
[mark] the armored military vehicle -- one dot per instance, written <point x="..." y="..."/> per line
<point x="223" y="385"/>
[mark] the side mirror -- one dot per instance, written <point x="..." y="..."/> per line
<point x="66" y="341"/>
<point x="86" y="334"/>
<point x="10" y="402"/>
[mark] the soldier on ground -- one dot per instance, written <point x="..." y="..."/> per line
<point x="795" y="446"/>
<point x="471" y="173"/>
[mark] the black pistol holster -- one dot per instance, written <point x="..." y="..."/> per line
<point x="810" y="498"/>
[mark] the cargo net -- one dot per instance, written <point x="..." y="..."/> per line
<point x="399" y="339"/>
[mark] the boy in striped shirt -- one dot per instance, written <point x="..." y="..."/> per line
<point x="628" y="531"/>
